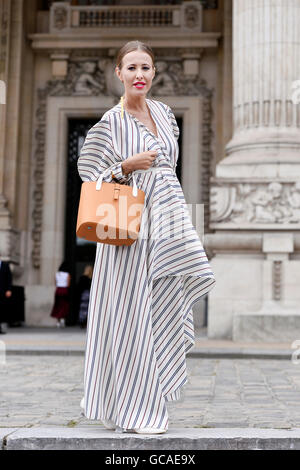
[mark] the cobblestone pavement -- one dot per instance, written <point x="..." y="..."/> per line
<point x="46" y="390"/>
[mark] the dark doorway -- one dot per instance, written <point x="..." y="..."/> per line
<point x="78" y="252"/>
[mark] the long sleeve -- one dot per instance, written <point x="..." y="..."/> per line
<point x="97" y="154"/>
<point x="173" y="122"/>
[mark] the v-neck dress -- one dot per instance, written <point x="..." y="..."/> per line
<point x="140" y="320"/>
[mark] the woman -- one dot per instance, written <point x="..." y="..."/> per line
<point x="140" y="321"/>
<point x="61" y="305"/>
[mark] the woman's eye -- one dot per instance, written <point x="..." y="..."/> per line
<point x="147" y="68"/>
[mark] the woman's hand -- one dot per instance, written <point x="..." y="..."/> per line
<point x="139" y="161"/>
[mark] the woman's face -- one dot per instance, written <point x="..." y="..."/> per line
<point x="137" y="67"/>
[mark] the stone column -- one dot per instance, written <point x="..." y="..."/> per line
<point x="266" y="62"/>
<point x="256" y="190"/>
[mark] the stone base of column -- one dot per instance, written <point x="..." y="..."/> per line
<point x="266" y="148"/>
<point x="267" y="327"/>
<point x="257" y="286"/>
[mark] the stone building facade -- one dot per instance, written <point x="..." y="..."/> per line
<point x="227" y="68"/>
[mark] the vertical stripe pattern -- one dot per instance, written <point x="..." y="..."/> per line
<point x="140" y="319"/>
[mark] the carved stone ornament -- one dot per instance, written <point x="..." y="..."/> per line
<point x="15" y="248"/>
<point x="277" y="279"/>
<point x="83" y="79"/>
<point x="60" y="17"/>
<point x="253" y="205"/>
<point x="90" y="78"/>
<point x="191" y="17"/>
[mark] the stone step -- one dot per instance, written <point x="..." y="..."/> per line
<point x="71" y="341"/>
<point x="96" y="438"/>
<point x="213" y="353"/>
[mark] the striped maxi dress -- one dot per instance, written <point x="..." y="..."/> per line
<point x="140" y="319"/>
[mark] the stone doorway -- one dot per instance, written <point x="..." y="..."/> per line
<point x="78" y="252"/>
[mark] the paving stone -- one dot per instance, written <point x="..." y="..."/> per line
<point x="50" y="390"/>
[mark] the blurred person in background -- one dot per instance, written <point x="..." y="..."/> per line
<point x="61" y="305"/>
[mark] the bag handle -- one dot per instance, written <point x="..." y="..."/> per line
<point x="107" y="172"/>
